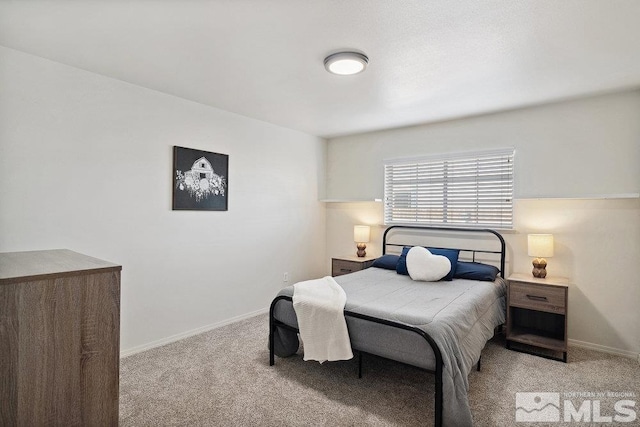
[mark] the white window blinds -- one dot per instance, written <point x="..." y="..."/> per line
<point x="467" y="189"/>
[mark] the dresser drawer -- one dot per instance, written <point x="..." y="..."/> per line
<point x="551" y="299"/>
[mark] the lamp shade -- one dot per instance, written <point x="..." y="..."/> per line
<point x="540" y="245"/>
<point x="361" y="233"/>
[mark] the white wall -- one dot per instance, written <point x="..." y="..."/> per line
<point x="597" y="241"/>
<point x="86" y="164"/>
<point x="573" y="149"/>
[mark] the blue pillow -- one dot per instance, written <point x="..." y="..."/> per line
<point x="476" y="271"/>
<point x="388" y="262"/>
<point x="452" y="254"/>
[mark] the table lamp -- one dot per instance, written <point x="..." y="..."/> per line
<point x="361" y="237"/>
<point x="540" y="246"/>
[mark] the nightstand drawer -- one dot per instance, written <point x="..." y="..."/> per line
<point x="537" y="297"/>
<point x="340" y="266"/>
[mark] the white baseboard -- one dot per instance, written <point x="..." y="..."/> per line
<point x="604" y="349"/>
<point x="164" y="341"/>
<point x="183" y="335"/>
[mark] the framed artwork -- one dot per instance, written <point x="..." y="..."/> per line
<point x="200" y="180"/>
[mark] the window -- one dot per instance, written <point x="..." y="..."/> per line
<point x="467" y="189"/>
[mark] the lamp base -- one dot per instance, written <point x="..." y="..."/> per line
<point x="540" y="268"/>
<point x="361" y="249"/>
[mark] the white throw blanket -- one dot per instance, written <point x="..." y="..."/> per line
<point x="319" y="306"/>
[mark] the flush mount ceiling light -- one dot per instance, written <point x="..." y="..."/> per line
<point x="346" y="63"/>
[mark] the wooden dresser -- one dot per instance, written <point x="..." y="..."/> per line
<point x="59" y="339"/>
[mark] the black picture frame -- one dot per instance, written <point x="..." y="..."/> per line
<point x="200" y="180"/>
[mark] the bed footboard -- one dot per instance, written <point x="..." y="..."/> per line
<point x="273" y="323"/>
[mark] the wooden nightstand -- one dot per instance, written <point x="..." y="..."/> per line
<point x="537" y="313"/>
<point x="349" y="264"/>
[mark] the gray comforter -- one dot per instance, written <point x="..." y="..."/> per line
<point x="460" y="316"/>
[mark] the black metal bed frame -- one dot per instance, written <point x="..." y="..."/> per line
<point x="274" y="323"/>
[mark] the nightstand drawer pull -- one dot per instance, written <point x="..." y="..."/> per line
<point x="345" y="270"/>
<point x="537" y="298"/>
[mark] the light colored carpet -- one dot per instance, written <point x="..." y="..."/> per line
<point x="223" y="378"/>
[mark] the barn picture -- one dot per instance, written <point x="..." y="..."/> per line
<point x="200" y="180"/>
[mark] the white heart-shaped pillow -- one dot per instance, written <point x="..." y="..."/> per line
<point x="423" y="265"/>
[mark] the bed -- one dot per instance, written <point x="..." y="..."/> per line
<point x="441" y="327"/>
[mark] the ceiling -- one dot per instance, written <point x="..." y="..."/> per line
<point x="430" y="60"/>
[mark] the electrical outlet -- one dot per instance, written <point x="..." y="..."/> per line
<point x="285" y="277"/>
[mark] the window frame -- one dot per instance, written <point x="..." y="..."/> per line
<point x="442" y="189"/>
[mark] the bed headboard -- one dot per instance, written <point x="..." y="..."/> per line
<point x="398" y="236"/>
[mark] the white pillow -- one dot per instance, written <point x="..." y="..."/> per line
<point x="423" y="265"/>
